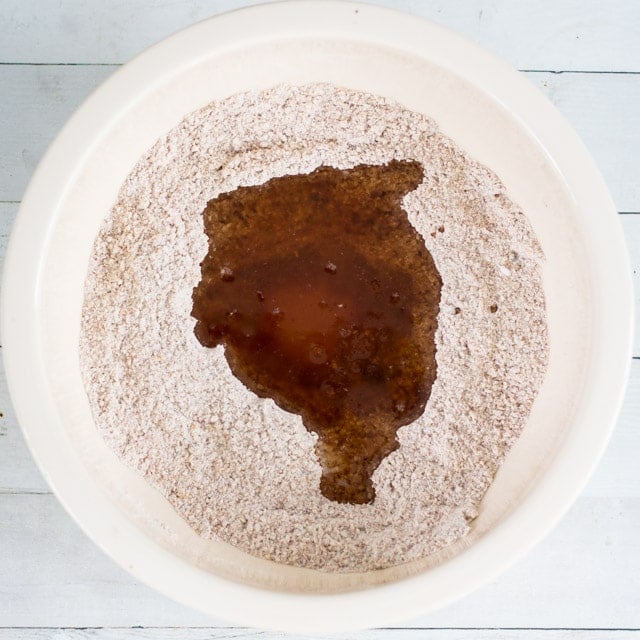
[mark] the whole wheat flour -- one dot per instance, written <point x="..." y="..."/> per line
<point x="237" y="467"/>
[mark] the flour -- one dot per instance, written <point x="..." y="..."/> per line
<point x="238" y="468"/>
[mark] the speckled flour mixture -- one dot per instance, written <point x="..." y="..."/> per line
<point x="238" y="468"/>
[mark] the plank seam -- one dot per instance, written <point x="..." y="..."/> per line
<point x="581" y="71"/>
<point x="24" y="492"/>
<point x="60" y="64"/>
<point x="408" y="629"/>
<point x="119" y="64"/>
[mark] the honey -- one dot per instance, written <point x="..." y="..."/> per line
<point x="326" y="300"/>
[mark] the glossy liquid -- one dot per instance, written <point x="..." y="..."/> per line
<point x="326" y="300"/>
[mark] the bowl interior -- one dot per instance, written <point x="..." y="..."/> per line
<point x="475" y="100"/>
<point x="487" y="131"/>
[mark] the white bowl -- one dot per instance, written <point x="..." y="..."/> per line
<point x="492" y="112"/>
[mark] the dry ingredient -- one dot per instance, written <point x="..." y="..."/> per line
<point x="237" y="467"/>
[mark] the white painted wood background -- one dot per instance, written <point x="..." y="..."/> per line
<point x="583" y="581"/>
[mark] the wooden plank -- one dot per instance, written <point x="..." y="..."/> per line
<point x="631" y="227"/>
<point x="616" y="476"/>
<point x="37" y="101"/>
<point x="583" y="575"/>
<point x="603" y="110"/>
<point x="48" y="567"/>
<point x="574" y="34"/>
<point x="35" y="104"/>
<point x="8" y="213"/>
<point x="217" y="633"/>
<point x="18" y="471"/>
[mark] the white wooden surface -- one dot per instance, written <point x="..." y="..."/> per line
<point x="582" y="582"/>
<point x="378" y="634"/>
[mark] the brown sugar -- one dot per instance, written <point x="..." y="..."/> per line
<point x="326" y="300"/>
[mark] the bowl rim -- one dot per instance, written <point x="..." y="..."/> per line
<point x="83" y="498"/>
